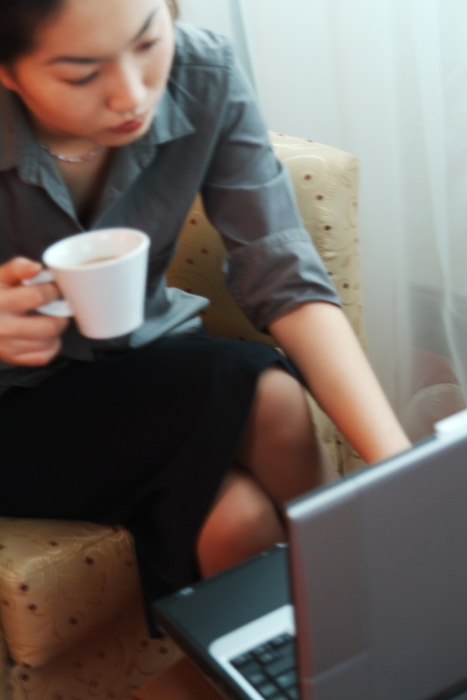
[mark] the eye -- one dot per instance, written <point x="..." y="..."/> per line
<point x="148" y="45"/>
<point x="83" y="81"/>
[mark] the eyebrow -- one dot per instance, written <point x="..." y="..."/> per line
<point x="85" y="60"/>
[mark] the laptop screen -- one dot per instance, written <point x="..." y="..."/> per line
<point x="379" y="573"/>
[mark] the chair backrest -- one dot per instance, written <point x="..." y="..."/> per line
<point x="326" y="186"/>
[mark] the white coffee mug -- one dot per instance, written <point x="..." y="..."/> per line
<point x="102" y="276"/>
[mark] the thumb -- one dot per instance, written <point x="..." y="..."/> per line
<point x="15" y="271"/>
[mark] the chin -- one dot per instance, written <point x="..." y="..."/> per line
<point x="114" y="141"/>
<point x="108" y="138"/>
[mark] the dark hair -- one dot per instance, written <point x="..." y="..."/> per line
<point x="19" y="20"/>
<point x="173" y="7"/>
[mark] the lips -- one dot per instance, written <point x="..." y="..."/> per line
<point x="131" y="125"/>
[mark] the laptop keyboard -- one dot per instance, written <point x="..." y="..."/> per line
<point x="271" y="668"/>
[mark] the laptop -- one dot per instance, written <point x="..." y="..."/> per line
<point x="367" y="602"/>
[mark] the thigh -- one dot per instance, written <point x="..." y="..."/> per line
<point x="87" y="441"/>
<point x="242" y="522"/>
<point x="69" y="447"/>
<point x="279" y="445"/>
<point x="144" y="438"/>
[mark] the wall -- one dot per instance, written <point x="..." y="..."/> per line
<point x="215" y="15"/>
<point x="223" y="17"/>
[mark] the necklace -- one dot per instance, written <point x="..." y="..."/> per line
<point x="79" y="159"/>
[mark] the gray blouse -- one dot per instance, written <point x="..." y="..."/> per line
<point x="207" y="136"/>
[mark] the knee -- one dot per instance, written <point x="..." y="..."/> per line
<point x="280" y="411"/>
<point x="244" y="517"/>
<point x="243" y="523"/>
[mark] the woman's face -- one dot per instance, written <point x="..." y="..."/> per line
<point x="98" y="70"/>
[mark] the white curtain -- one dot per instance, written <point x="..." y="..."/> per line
<point x="385" y="80"/>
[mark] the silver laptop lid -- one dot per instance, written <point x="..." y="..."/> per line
<point x="379" y="576"/>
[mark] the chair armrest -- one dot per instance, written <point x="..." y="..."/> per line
<point x="59" y="581"/>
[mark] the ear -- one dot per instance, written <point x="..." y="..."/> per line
<point x="7" y="79"/>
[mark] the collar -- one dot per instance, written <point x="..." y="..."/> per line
<point x="16" y="137"/>
<point x="170" y="123"/>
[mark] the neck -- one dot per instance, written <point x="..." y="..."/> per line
<point x="69" y="146"/>
<point x="76" y="148"/>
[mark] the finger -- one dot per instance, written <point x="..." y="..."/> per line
<point x="32" y="327"/>
<point x="19" y="300"/>
<point x="32" y="356"/>
<point x="19" y="346"/>
<point x="14" y="271"/>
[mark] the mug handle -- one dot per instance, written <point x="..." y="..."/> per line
<point x="59" y="308"/>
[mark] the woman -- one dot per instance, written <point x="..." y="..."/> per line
<point x="110" y="115"/>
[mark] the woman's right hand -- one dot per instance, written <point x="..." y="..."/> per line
<point x="27" y="339"/>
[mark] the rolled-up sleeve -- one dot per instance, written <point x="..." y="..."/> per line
<point x="272" y="265"/>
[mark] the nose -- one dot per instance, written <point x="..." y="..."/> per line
<point x="127" y="91"/>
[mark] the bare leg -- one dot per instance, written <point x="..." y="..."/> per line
<point x="280" y="447"/>
<point x="282" y="458"/>
<point x="179" y="682"/>
<point x="242" y="523"/>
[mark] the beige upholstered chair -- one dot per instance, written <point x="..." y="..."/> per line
<point x="70" y="608"/>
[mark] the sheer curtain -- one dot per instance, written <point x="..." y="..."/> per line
<point x="386" y="81"/>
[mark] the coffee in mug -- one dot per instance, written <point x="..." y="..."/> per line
<point x="94" y="261"/>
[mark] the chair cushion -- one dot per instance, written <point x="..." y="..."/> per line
<point x="59" y="581"/>
<point x="197" y="268"/>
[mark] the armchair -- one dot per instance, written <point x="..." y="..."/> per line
<point x="71" y="615"/>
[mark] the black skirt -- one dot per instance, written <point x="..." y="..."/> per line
<point x="142" y="438"/>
